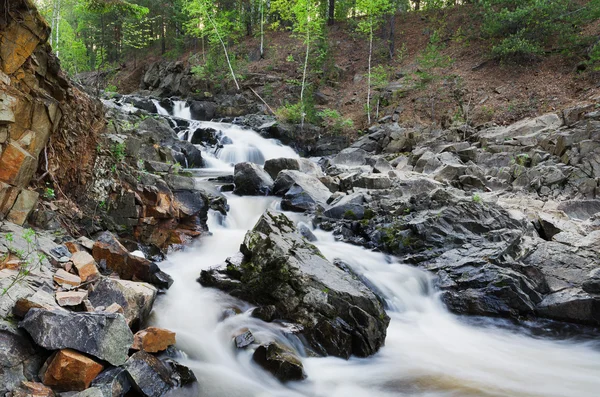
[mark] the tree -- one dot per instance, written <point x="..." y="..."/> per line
<point x="373" y="11"/>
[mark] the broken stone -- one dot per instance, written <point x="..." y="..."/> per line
<point x="66" y="279"/>
<point x="71" y="298"/>
<point x="86" y="265"/>
<point x="153" y="339"/>
<point x="68" y="370"/>
<point x="244" y="338"/>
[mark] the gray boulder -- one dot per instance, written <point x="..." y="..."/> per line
<point x="103" y="335"/>
<point x="340" y="316"/>
<point x="281" y="362"/>
<point x="301" y="192"/>
<point x="149" y="376"/>
<point x="251" y="180"/>
<point x="351" y="206"/>
<point x="113" y="382"/>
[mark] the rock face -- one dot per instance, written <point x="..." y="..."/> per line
<point x="153" y="339"/>
<point x="102" y="335"/>
<point x="251" y="180"/>
<point x="339" y="314"/>
<point x="36" y="102"/>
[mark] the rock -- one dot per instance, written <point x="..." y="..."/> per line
<point x="66" y="279"/>
<point x="149" y="376"/>
<point x="244" y="339"/>
<point x="301" y="192"/>
<point x="592" y="284"/>
<point x="180" y="374"/>
<point x="279" y="361"/>
<point x="273" y="166"/>
<point x="40" y="299"/>
<point x="110" y="339"/>
<point x="127" y="266"/>
<point x="340" y="315"/>
<point x="86" y="266"/>
<point x="202" y="110"/>
<point x="347" y="207"/>
<point x="136" y="299"/>
<point x="580" y="209"/>
<point x="571" y="304"/>
<point x="113" y="382"/>
<point x="351" y="157"/>
<point x="251" y="180"/>
<point x="23" y="206"/>
<point x="32" y="389"/>
<point x="68" y="370"/>
<point x="20" y="359"/>
<point x="153" y="339"/>
<point x="71" y="298"/>
<point x="372" y="181"/>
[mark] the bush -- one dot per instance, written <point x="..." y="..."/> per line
<point x="333" y="121"/>
<point x="522" y="29"/>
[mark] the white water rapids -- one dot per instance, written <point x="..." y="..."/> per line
<point x="428" y="351"/>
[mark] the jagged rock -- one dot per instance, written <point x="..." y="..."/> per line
<point x="85" y="265"/>
<point x="244" y="339"/>
<point x="372" y="181"/>
<point x="102" y="335"/>
<point x="592" y="283"/>
<point x="20" y="359"/>
<point x="66" y="279"/>
<point x="340" y="315"/>
<point x="350" y="206"/>
<point x="153" y="339"/>
<point x="180" y="374"/>
<point x="251" y="180"/>
<point x="68" y="370"/>
<point x="351" y="157"/>
<point x="273" y="166"/>
<point x="281" y="362"/>
<point x="149" y="375"/>
<point x="203" y="110"/>
<point x="113" y="382"/>
<point x="128" y="266"/>
<point x="32" y="389"/>
<point x="70" y="298"/>
<point x="301" y="192"/>
<point x="135" y="298"/>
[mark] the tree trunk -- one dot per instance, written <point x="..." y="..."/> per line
<point x="163" y="45"/>
<point x="392" y="38"/>
<point x="369" y="75"/>
<point x="417" y="5"/>
<point x="331" y="19"/>
<point x="305" y="68"/>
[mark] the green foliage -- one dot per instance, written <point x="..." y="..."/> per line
<point x="476" y="198"/>
<point x="333" y="121"/>
<point x="118" y="152"/>
<point x="524" y="29"/>
<point x="432" y="58"/>
<point x="29" y="257"/>
<point x="49" y="193"/>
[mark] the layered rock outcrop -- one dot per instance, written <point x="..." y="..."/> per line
<point x="39" y="110"/>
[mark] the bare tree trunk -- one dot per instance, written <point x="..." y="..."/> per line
<point x="225" y="50"/>
<point x="417" y="5"/>
<point x="392" y="36"/>
<point x="305" y="67"/>
<point x="163" y="36"/>
<point x="369" y="74"/>
<point x="331" y="19"/>
<point x="262" y="29"/>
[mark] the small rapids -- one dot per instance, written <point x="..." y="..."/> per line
<point x="428" y="351"/>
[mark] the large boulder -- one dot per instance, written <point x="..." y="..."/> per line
<point x="103" y="335"/>
<point x="68" y="370"/>
<point x="150" y="376"/>
<point x="280" y="361"/>
<point x="113" y="382"/>
<point x="135" y="298"/>
<point x="251" y="180"/>
<point x="129" y="267"/>
<point x="339" y="314"/>
<point x="274" y="166"/>
<point x="20" y="359"/>
<point x="301" y="192"/>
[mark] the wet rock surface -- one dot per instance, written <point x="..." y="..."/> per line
<point x="339" y="314"/>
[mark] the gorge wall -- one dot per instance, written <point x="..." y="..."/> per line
<point x="44" y="119"/>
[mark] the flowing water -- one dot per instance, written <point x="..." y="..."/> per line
<point x="428" y="351"/>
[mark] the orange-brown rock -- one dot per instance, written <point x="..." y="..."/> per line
<point x="153" y="339"/>
<point x="73" y="247"/>
<point x="23" y="206"/>
<point x="66" y="279"/>
<point x="86" y="265"/>
<point x="16" y="165"/>
<point x="127" y="266"/>
<point x="69" y="370"/>
<point x="70" y="298"/>
<point x="33" y="389"/>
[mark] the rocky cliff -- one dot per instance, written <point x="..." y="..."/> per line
<point x="44" y="119"/>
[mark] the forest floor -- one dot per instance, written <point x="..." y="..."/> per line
<point x="469" y="86"/>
